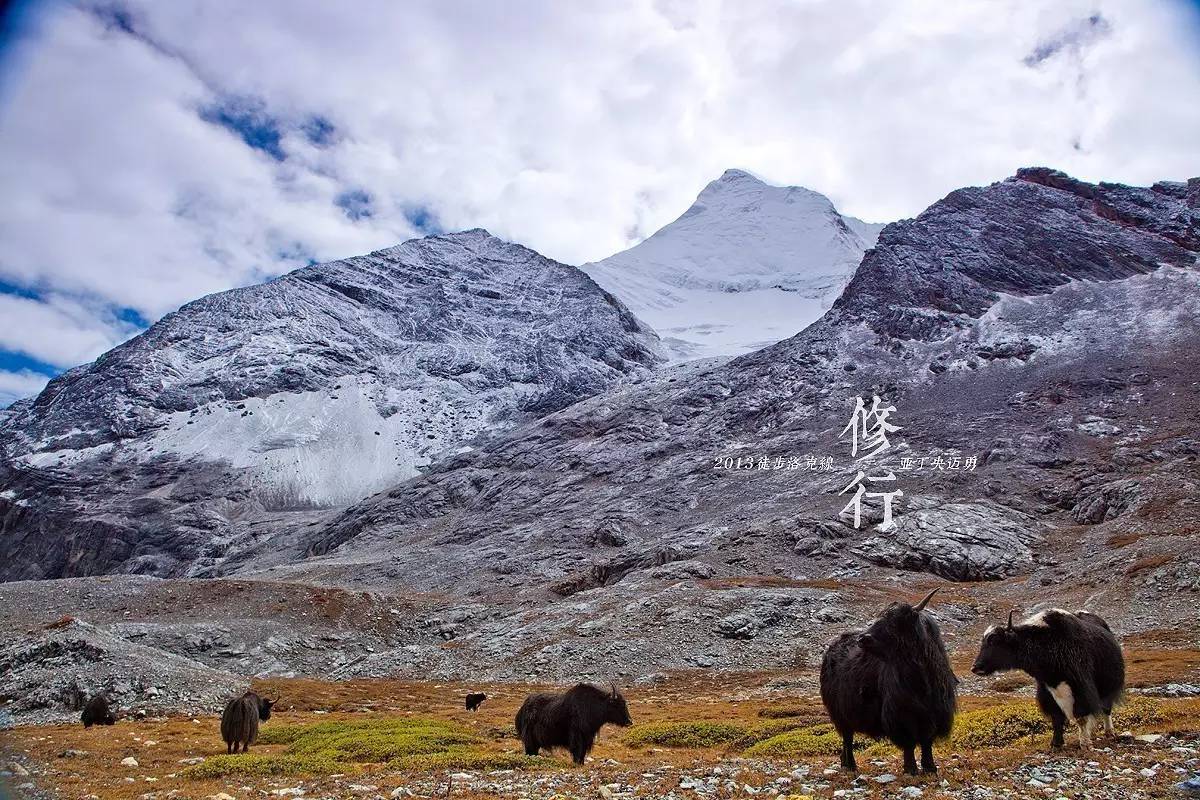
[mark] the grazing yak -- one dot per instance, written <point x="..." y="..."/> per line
<point x="96" y="712"/>
<point x="570" y="719"/>
<point x="239" y="723"/>
<point x="1075" y="660"/>
<point x="475" y="700"/>
<point x="892" y="681"/>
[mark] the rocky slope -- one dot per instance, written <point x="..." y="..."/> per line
<point x="1041" y="326"/>
<point x="307" y="392"/>
<point x="748" y="264"/>
<point x="1037" y="339"/>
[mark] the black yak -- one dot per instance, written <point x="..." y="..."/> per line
<point x="1075" y="660"/>
<point x="475" y="700"/>
<point x="96" y="712"/>
<point x="570" y="719"/>
<point x="892" y="681"/>
<point x="239" y="723"/>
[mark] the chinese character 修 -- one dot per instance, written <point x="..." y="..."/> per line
<point x="869" y="427"/>
<point x="856" y="501"/>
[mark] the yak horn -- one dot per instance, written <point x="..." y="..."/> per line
<point x="921" y="605"/>
<point x="1011" y="611"/>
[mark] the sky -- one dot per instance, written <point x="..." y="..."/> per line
<point x="152" y="153"/>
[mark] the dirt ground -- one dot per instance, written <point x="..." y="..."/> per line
<point x="68" y="761"/>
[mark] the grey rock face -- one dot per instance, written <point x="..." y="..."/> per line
<point x="51" y="674"/>
<point x="930" y="275"/>
<point x="313" y="390"/>
<point x="957" y="541"/>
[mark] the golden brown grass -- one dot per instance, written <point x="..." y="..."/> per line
<point x="381" y="731"/>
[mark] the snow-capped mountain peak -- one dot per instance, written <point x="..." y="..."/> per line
<point x="746" y="265"/>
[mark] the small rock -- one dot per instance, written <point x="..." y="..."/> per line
<point x="887" y="777"/>
<point x="129" y="761"/>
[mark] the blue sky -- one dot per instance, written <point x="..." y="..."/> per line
<point x="151" y="153"/>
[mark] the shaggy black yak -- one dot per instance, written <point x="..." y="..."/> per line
<point x="892" y="681"/>
<point x="570" y="719"/>
<point x="475" y="700"/>
<point x="96" y="712"/>
<point x="239" y="723"/>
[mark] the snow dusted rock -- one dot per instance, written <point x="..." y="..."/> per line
<point x="747" y="265"/>
<point x="518" y="516"/>
<point x="312" y="390"/>
<point x="958" y="541"/>
<point x="920" y="284"/>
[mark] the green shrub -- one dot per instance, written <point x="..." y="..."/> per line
<point x="766" y="730"/>
<point x="1138" y="711"/>
<point x="259" y="765"/>
<point x="683" y="734"/>
<point x="998" y="726"/>
<point x="340" y="745"/>
<point x="813" y="740"/>
<point x="779" y="712"/>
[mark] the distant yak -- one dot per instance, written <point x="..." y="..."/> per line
<point x="1075" y="660"/>
<point x="239" y="723"/>
<point x="892" y="681"/>
<point x="96" y="712"/>
<point x="475" y="700"/>
<point x="569" y="719"/>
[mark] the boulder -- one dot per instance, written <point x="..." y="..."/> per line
<point x="957" y="541"/>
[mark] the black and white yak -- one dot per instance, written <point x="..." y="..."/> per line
<point x="1075" y="660"/>
<point x="570" y="719"/>
<point x="891" y="681"/>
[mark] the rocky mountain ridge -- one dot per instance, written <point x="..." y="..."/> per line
<point x="309" y="391"/>
<point x="625" y="533"/>
<point x="620" y="508"/>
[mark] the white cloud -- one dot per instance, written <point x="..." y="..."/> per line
<point x="573" y="128"/>
<point x="58" y="330"/>
<point x="22" y="383"/>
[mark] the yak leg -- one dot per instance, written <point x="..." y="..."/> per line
<point x="910" y="761"/>
<point x="927" y="763"/>
<point x="579" y="745"/>
<point x="1109" y="730"/>
<point x="1085" y="732"/>
<point x="848" y="752"/>
<point x="1050" y="707"/>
